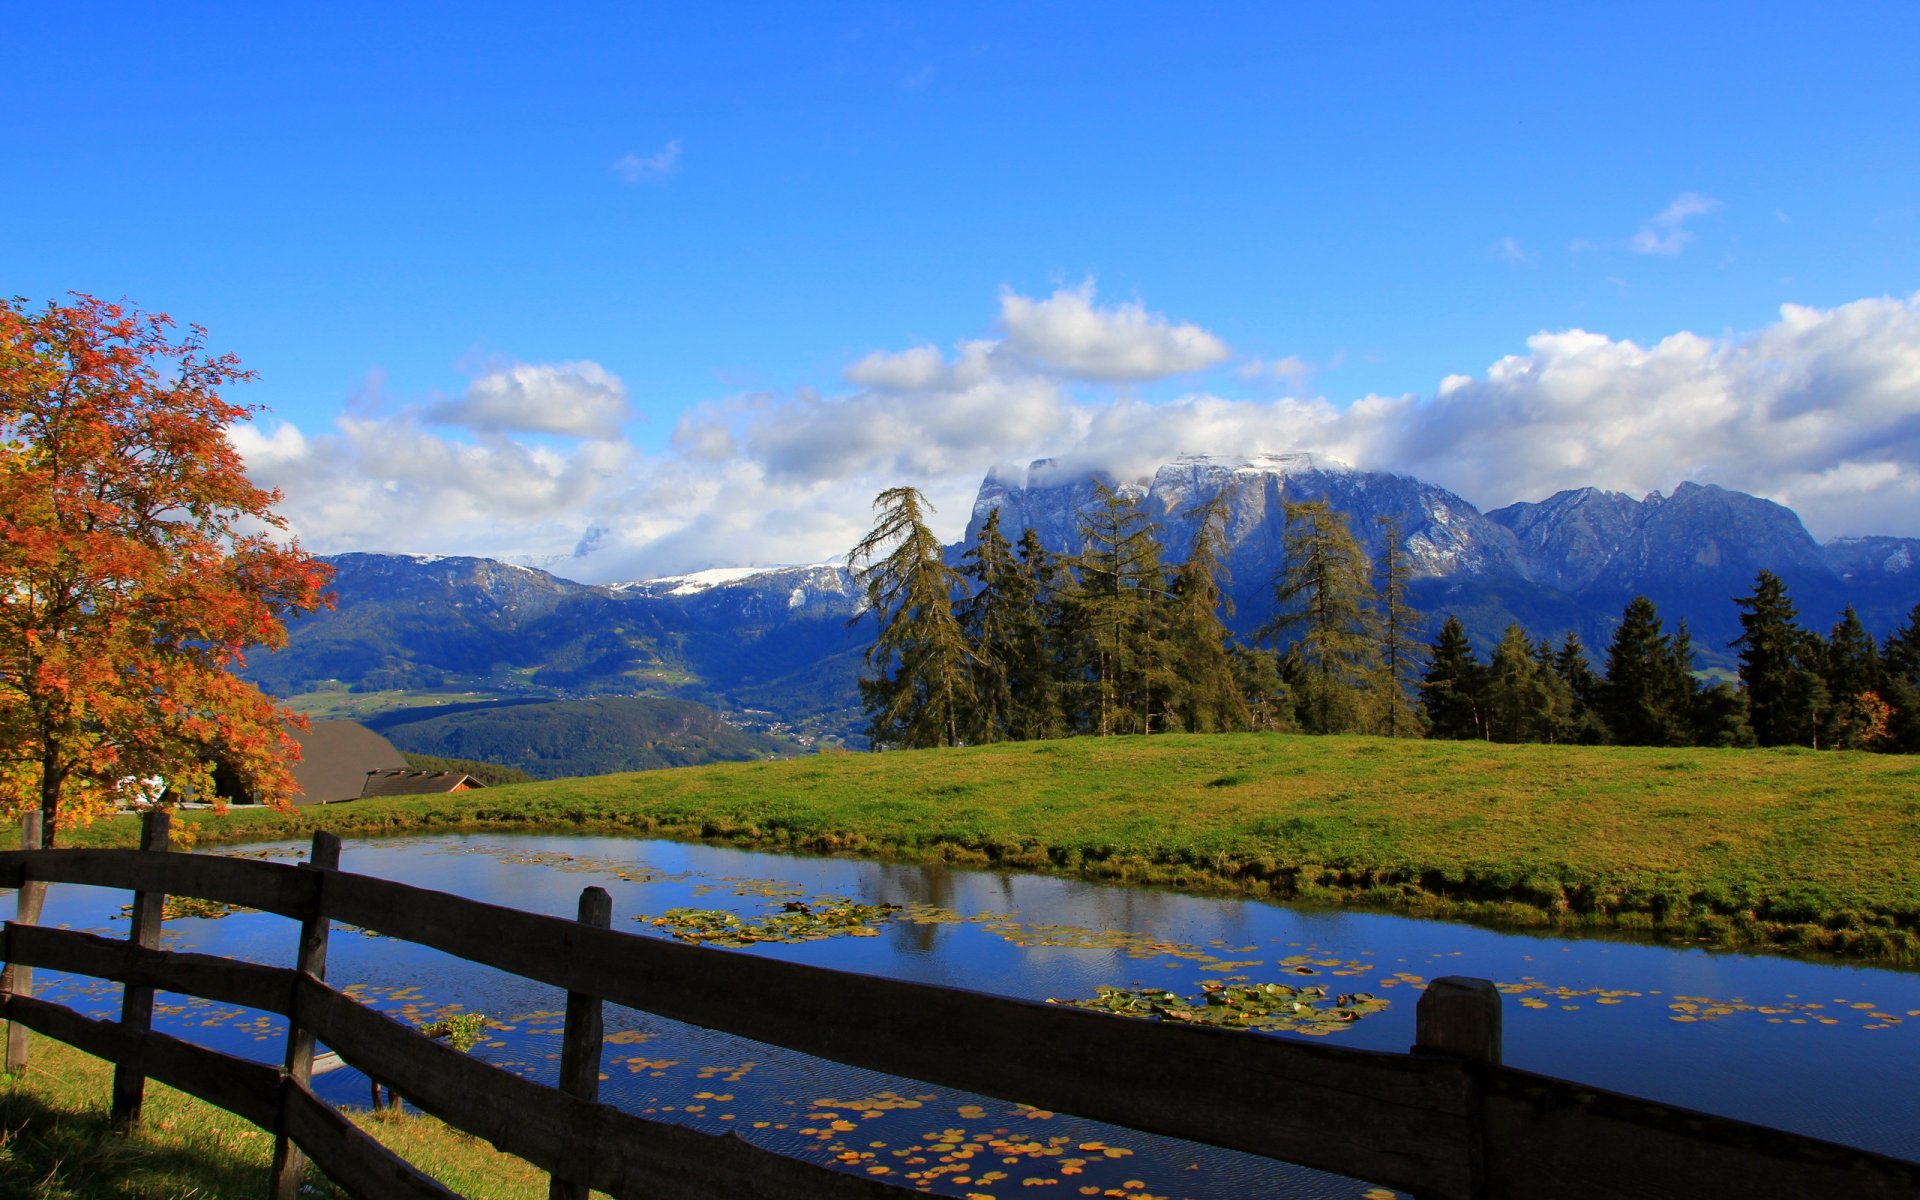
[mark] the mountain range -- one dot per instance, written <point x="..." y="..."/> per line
<point x="773" y="649"/>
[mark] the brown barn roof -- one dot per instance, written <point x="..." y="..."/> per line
<point x="417" y="783"/>
<point x="335" y="757"/>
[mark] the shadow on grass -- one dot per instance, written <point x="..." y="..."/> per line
<point x="53" y="1153"/>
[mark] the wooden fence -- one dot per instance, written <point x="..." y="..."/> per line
<point x="1446" y="1121"/>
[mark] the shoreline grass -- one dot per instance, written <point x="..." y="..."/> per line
<point x="55" y="1143"/>
<point x="1784" y="850"/>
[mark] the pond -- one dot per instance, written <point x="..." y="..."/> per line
<point x="1822" y="1049"/>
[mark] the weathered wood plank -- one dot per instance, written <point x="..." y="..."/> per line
<point x="249" y="1089"/>
<point x="252" y="883"/>
<point x="227" y="980"/>
<point x="289" y="1164"/>
<point x="1386" y="1118"/>
<point x="616" y="1152"/>
<point x="1548" y="1137"/>
<point x="136" y="1000"/>
<point x="580" y="1043"/>
<point x="18" y="979"/>
<point x="351" y="1158"/>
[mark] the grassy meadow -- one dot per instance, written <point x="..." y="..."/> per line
<point x="1789" y="849"/>
<point x="55" y="1143"/>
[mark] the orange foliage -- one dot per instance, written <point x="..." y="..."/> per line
<point x="137" y="565"/>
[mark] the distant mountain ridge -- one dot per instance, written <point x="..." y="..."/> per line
<point x="772" y="647"/>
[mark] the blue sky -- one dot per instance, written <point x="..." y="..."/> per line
<point x="692" y="286"/>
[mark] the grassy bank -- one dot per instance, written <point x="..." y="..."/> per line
<point x="1787" y="849"/>
<point x="55" y="1144"/>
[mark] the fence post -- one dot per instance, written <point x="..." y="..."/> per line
<point x="1459" y="1017"/>
<point x="18" y="980"/>
<point x="289" y="1164"/>
<point x="136" y="1003"/>
<point x="585" y="1030"/>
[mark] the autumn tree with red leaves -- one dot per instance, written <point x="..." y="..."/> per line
<point x="137" y="565"/>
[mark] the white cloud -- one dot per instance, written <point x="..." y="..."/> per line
<point x="1068" y="334"/>
<point x="1665" y="232"/>
<point x="1819" y="410"/>
<point x="576" y="399"/>
<point x="649" y="168"/>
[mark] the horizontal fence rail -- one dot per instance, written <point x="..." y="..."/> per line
<point x="1447" y="1122"/>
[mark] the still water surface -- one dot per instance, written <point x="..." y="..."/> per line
<point x="1828" y="1050"/>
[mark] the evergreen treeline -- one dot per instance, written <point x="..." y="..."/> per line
<point x="1797" y="688"/>
<point x="1019" y="643"/>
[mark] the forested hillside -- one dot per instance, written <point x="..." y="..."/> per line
<point x="549" y="740"/>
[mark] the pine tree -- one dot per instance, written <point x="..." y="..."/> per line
<point x="1206" y="696"/>
<point x="1781" y="688"/>
<point x="921" y="686"/>
<point x="1511" y="687"/>
<point x="1854" y="679"/>
<point x="1327" y="603"/>
<point x="1720" y="717"/>
<point x="1556" y="708"/>
<point x="1571" y="665"/>
<point x="1452" y="687"/>
<point x="1256" y="674"/>
<point x="994" y="620"/>
<point x="1900" y="654"/>
<point x="1399" y="650"/>
<point x="1119" y="597"/>
<point x="1039" y="676"/>
<point x="1647" y="699"/>
<point x="1900" y="660"/>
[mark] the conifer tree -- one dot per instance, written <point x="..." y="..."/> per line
<point x="1900" y="660"/>
<point x="1720" y="717"/>
<point x="1256" y="674"/>
<point x="1854" y="679"/>
<point x="1119" y="597"/>
<point x="1557" y="716"/>
<point x="1900" y="654"/>
<point x="921" y="685"/>
<point x="1782" y="690"/>
<point x="1571" y="665"/>
<point x="1327" y="606"/>
<point x="1206" y="696"/>
<point x="1451" y="689"/>
<point x="1047" y="701"/>
<point x="1647" y="699"/>
<point x="991" y="619"/>
<point x="1511" y="686"/>
<point x="1399" y="650"/>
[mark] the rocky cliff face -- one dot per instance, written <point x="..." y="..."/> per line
<point x="1442" y="534"/>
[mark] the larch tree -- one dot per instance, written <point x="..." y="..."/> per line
<point x="1002" y="627"/>
<point x="921" y="685"/>
<point x="138" y="564"/>
<point x="1119" y="601"/>
<point x="1207" y="695"/>
<point x="1326" y="605"/>
<point x="1399" y="622"/>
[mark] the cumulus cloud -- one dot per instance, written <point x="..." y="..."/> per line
<point x="1819" y="410"/>
<point x="649" y="168"/>
<point x="1666" y="232"/>
<point x="1069" y="334"/>
<point x="576" y="399"/>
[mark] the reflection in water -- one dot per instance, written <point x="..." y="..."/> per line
<point x="1763" y="1039"/>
